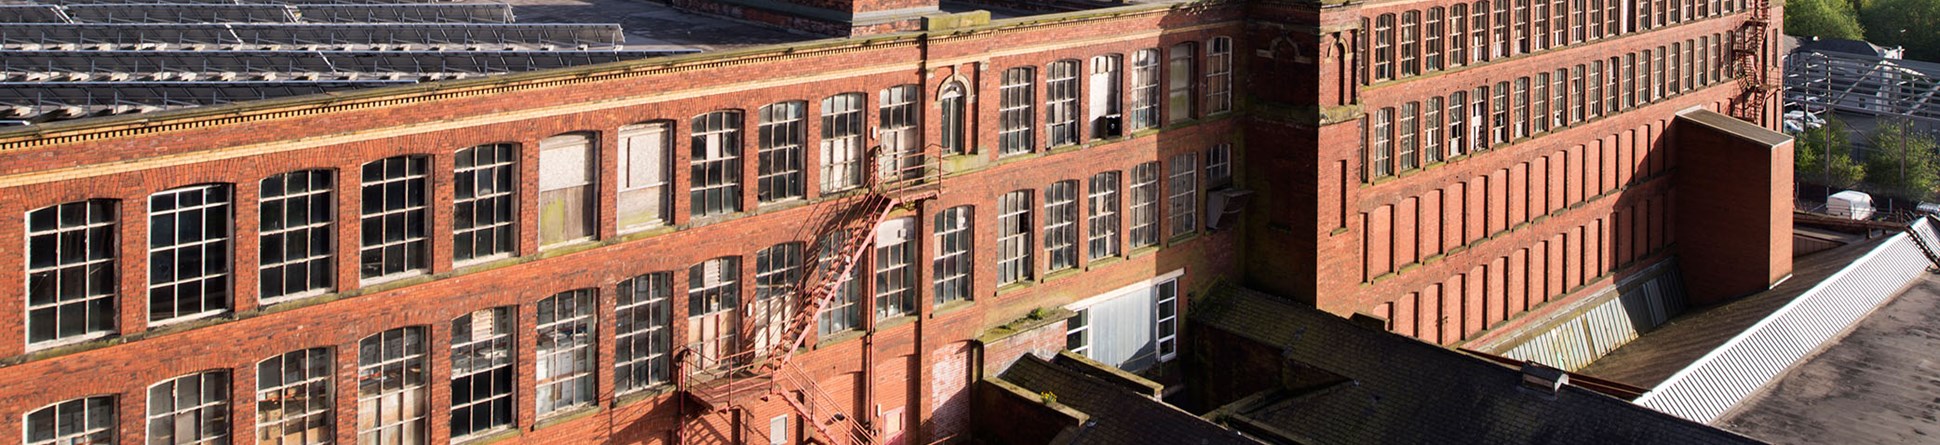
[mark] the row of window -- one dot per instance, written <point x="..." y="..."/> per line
<point x="1420" y="133"/>
<point x="1102" y="211"/>
<point x="1017" y="118"/>
<point x="1415" y="42"/>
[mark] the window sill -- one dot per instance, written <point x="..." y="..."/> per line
<point x="1181" y="239"/>
<point x="1058" y="274"/>
<point x="65" y="342"/>
<point x="392" y="278"/>
<point x="565" y="415"/>
<point x="1102" y="262"/>
<point x="1015" y="287"/>
<point x="893" y="322"/>
<point x="837" y="338"/>
<point x="953" y="306"/>
<point x="479" y="261"/>
<point x="186" y="319"/>
<point x="568" y="243"/>
<point x="650" y="392"/>
<point x="488" y="436"/>
<point x="280" y="299"/>
<point x="1142" y="251"/>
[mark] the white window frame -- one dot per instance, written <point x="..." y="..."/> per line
<point x="1182" y="194"/>
<point x="312" y="391"/>
<point x="493" y="349"/>
<point x="843" y="152"/>
<point x="576" y="372"/>
<point x="1061" y="225"/>
<point x="203" y="408"/>
<point x="954" y="261"/>
<point x="1219" y="75"/>
<point x="389" y="366"/>
<point x="644" y="201"/>
<point x="1061" y="103"/>
<point x="1016" y="119"/>
<point x="1144" y="205"/>
<point x="1160" y="336"/>
<point x="1014" y="230"/>
<point x="414" y="176"/>
<point x="96" y="227"/>
<point x="647" y="302"/>
<point x="715" y="163"/>
<point x="1101" y="215"/>
<point x="94" y="415"/>
<point x="211" y="245"/>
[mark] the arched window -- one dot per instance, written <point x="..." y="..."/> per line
<point x="951" y="102"/>
<point x="842" y="144"/>
<point x="90" y="420"/>
<point x="566" y="193"/>
<point x="1181" y="75"/>
<point x="565" y="358"/>
<point x="1061" y="103"/>
<point x="780" y="130"/>
<point x="716" y="164"/>
<point x="71" y="258"/>
<point x="394" y="217"/>
<point x="391" y="371"/>
<point x="485" y="216"/>
<point x="188" y="252"/>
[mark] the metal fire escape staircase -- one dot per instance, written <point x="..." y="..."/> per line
<point x="765" y="370"/>
<point x="1748" y="64"/>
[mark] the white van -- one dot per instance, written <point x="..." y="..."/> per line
<point x="1852" y="204"/>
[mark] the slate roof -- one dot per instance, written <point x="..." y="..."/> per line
<point x="1841" y="46"/>
<point x="1402" y="391"/>
<point x="1118" y="415"/>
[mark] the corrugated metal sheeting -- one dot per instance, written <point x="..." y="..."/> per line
<point x="1721" y="379"/>
<point x="1637" y="308"/>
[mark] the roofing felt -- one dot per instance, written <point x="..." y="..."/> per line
<point x="1400" y="390"/>
<point x="1119" y="415"/>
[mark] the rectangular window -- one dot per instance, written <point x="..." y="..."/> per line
<point x="1478" y="32"/>
<point x="1431" y="130"/>
<point x="842" y="145"/>
<point x="1144" y="209"/>
<point x="953" y="263"/>
<point x="293" y="399"/>
<point x="1520" y="126"/>
<point x="1180" y="74"/>
<point x="1612" y="20"/>
<point x="1539" y="119"/>
<point x="1381" y="145"/>
<point x="713" y="293"/>
<point x="86" y="421"/>
<point x="715" y="164"/>
<point x="1101" y="215"/>
<point x="1478" y="122"/>
<point x="191" y="409"/>
<point x="1431" y="59"/>
<point x="1102" y="95"/>
<point x="1501" y="27"/>
<point x="1457" y="123"/>
<point x="1061" y="225"/>
<point x="1594" y="83"/>
<point x="1182" y="194"/>
<point x="484" y="200"/>
<point x="1219" y="75"/>
<point x="951" y="126"/>
<point x="1410" y="43"/>
<point x="643" y="319"/>
<point x="1674" y="77"/>
<point x="1458" y="35"/>
<point x="188" y="252"/>
<point x="645" y="154"/>
<point x="1166" y="309"/>
<point x="1523" y="27"/>
<point x="1559" y="107"/>
<point x="1131" y="328"/>
<point x="777" y="270"/>
<point x="1539" y="32"/>
<point x="565" y="358"/>
<point x="481" y="371"/>
<point x="1577" y="8"/>
<point x="71" y="272"/>
<point x="1409" y="152"/>
<point x="567" y="167"/>
<point x="1703" y="58"/>
<point x="394" y="198"/>
<point x="295" y="238"/>
<point x="1576" y="94"/>
<point x="779" y="135"/>
<point x="1014" y="111"/>
<point x="1077" y="333"/>
<point x="1690" y="65"/>
<point x="841" y="313"/>
<point x="1383" y="47"/>
<point x="901" y="155"/>
<point x="1014" y="237"/>
<point x="1596" y="19"/>
<point x="391" y="396"/>
<point x="1629" y="80"/>
<point x="1500" y="110"/>
<point x="895" y="270"/>
<point x="1061" y="103"/>
<point x="1657" y="76"/>
<point x="1559" y="23"/>
<point x="1219" y="164"/>
<point x="1145" y="89"/>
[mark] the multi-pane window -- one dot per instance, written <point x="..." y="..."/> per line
<point x="481" y="371"/>
<point x="1540" y="31"/>
<point x="483" y="201"/>
<point x="1219" y="75"/>
<point x="716" y="164"/>
<point x="1144" y="209"/>
<point x="842" y="145"/>
<point x="1520" y="126"/>
<point x="1145" y="89"/>
<point x="895" y="268"/>
<point x="951" y="122"/>
<point x="1410" y="59"/>
<point x="565" y="357"/>
<point x="1167" y="318"/>
<point x="1061" y="103"/>
<point x="394" y="198"/>
<point x="188" y="252"/>
<point x="1576" y="20"/>
<point x="1432" y="40"/>
<point x="843" y="311"/>
<point x="1381" y="145"/>
<point x="1523" y="27"/>
<point x="1014" y="237"/>
<point x="1500" y="26"/>
<point x="645" y="155"/>
<point x="952" y="266"/>
<point x="1540" y="93"/>
<point x="1703" y="59"/>
<point x="897" y="120"/>
<point x="1575" y="96"/>
<point x="777" y="270"/>
<point x="567" y="166"/>
<point x="1077" y="333"/>
<point x="1408" y="152"/>
<point x="1478" y="122"/>
<point x="1673" y="76"/>
<point x="191" y="409"/>
<point x="1558" y="23"/>
<point x="780" y="131"/>
<point x="1653" y="83"/>
<point x="713" y="292"/>
<point x="1596" y="19"/>
<point x="1593" y="97"/>
<point x="1061" y="224"/>
<point x="293" y="399"/>
<point x="1219" y="164"/>
<point x="1180" y="74"/>
<point x="391" y="396"/>
<point x="1478" y="32"/>
<point x="1384" y="47"/>
<point x="86" y="421"/>
<point x="1102" y="93"/>
<point x="1431" y="130"/>
<point x="1458" y="124"/>
<point x="1014" y="113"/>
<point x="1182" y="189"/>
<point x="1629" y="80"/>
<point x="643" y="320"/>
<point x="1101" y="215"/>
<point x="71" y="252"/>
<point x="1458" y="24"/>
<point x="296" y="240"/>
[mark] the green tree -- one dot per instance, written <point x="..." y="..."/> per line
<point x="1822" y="18"/>
<point x="1914" y="24"/>
<point x="1813" y="147"/>
<point x="1903" y="162"/>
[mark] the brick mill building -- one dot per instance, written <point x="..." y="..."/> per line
<point x="706" y="248"/>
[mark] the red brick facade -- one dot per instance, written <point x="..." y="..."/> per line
<point x="1444" y="251"/>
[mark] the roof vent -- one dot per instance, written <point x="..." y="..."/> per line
<point x="1543" y="378"/>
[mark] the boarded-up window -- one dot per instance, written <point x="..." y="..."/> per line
<point x="643" y="175"/>
<point x="565" y="188"/>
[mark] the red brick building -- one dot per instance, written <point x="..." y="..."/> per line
<point x="552" y="257"/>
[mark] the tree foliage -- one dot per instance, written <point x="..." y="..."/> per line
<point x="1903" y="162"/>
<point x="1823" y="18"/>
<point x="1812" y="150"/>
<point x="1914" y="24"/>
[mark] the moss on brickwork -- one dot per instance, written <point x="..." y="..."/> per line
<point x="1038" y="318"/>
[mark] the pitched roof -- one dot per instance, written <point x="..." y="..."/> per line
<point x="1399" y="390"/>
<point x="1118" y="414"/>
